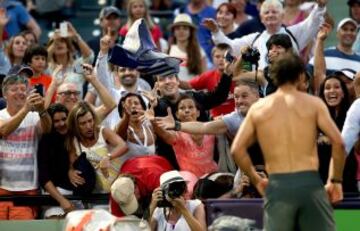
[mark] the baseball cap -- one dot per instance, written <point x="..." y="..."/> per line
<point x="123" y="192"/>
<point x="108" y="10"/>
<point x="349" y="73"/>
<point x="21" y="69"/>
<point x="344" y="21"/>
<point x="170" y="177"/>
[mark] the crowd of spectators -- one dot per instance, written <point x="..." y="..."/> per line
<point x="62" y="102"/>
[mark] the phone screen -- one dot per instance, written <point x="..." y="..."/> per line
<point x="39" y="89"/>
<point x="63" y="29"/>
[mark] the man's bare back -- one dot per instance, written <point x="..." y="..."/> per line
<point x="286" y="129"/>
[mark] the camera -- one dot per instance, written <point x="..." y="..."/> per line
<point x="251" y="55"/>
<point x="228" y="57"/>
<point x="171" y="190"/>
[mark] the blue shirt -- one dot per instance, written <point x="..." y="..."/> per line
<point x="233" y="121"/>
<point x="18" y="17"/>
<point x="203" y="34"/>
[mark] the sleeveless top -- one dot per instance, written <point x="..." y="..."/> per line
<point x="140" y="148"/>
<point x="95" y="154"/>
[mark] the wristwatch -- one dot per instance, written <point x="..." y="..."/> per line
<point x="335" y="181"/>
<point x="177" y="125"/>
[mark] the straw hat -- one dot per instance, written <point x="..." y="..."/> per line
<point x="182" y="20"/>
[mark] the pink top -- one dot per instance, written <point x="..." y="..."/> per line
<point x="193" y="158"/>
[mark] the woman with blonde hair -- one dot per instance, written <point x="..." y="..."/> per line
<point x="101" y="145"/>
<point x="62" y="51"/>
<point x="184" y="45"/>
<point x="138" y="9"/>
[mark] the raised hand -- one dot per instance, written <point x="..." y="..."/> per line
<point x="105" y="42"/>
<point x="167" y="122"/>
<point x="88" y="72"/>
<point x="4" y="19"/>
<point x="210" y="24"/>
<point x="71" y="30"/>
<point x="152" y="96"/>
<point x="321" y="3"/>
<point x="324" y="31"/>
<point x="34" y="102"/>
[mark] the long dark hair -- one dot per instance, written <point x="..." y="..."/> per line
<point x="193" y="52"/>
<point x="337" y="113"/>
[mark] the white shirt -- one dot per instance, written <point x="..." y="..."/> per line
<point x="304" y="32"/>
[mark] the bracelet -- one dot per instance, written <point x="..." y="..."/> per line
<point x="336" y="181"/>
<point x="42" y="113"/>
<point x="177" y="126"/>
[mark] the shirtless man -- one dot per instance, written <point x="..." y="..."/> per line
<point x="285" y="125"/>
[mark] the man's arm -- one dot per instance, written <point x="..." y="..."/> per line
<point x="311" y="25"/>
<point x="214" y="98"/>
<point x="8" y="126"/>
<point x="245" y="138"/>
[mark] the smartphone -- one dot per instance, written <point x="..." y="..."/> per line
<point x="78" y="68"/>
<point x="39" y="88"/>
<point x="64" y="29"/>
<point x="228" y="57"/>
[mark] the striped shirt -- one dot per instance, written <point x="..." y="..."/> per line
<point x="337" y="60"/>
<point x="18" y="162"/>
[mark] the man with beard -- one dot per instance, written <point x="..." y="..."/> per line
<point x="342" y="56"/>
<point x="129" y="79"/>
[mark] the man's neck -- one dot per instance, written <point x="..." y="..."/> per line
<point x="131" y="88"/>
<point x="173" y="99"/>
<point x="12" y="110"/>
<point x="345" y="49"/>
<point x="287" y="88"/>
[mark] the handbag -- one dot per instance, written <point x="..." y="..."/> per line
<point x="87" y="170"/>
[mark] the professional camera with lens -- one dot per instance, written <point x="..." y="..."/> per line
<point x="251" y="55"/>
<point x="171" y="190"/>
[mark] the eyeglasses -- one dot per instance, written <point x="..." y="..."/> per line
<point x="69" y="93"/>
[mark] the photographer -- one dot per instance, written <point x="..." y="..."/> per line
<point x="170" y="211"/>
